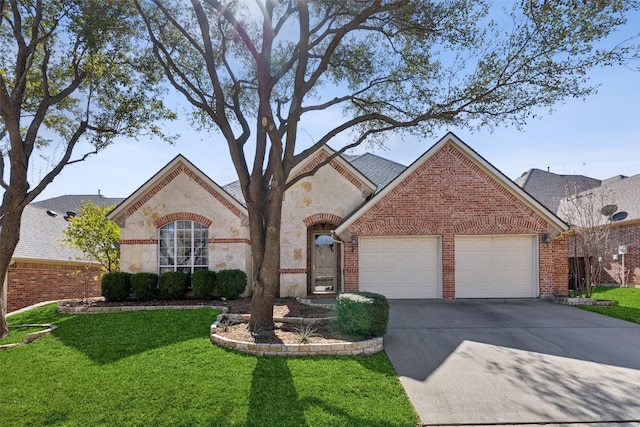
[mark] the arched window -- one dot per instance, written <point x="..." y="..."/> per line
<point x="183" y="247"/>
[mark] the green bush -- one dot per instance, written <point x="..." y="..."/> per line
<point x="363" y="313"/>
<point x="231" y="283"/>
<point x="202" y="283"/>
<point x="172" y="285"/>
<point x="144" y="286"/>
<point x="116" y="286"/>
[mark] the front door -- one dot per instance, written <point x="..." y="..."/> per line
<point x="324" y="257"/>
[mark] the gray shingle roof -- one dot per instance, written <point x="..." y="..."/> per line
<point x="377" y="169"/>
<point x="548" y="188"/>
<point x="624" y="193"/>
<point x="39" y="236"/>
<point x="552" y="189"/>
<point x="43" y="223"/>
<point x="73" y="202"/>
<point x="235" y="191"/>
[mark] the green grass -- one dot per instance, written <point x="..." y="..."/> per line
<point x="17" y="334"/>
<point x="627" y="303"/>
<point x="158" y="368"/>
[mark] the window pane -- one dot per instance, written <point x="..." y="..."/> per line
<point x="182" y="245"/>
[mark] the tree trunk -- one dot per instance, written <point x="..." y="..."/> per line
<point x="265" y="248"/>
<point x="9" y="236"/>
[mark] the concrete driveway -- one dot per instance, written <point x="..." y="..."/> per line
<point x="470" y="362"/>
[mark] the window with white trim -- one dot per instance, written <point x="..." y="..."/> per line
<point x="183" y="246"/>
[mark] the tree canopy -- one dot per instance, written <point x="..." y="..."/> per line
<point x="94" y="234"/>
<point x="260" y="72"/>
<point x="70" y="71"/>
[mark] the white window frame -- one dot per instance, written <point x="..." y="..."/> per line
<point x="189" y="257"/>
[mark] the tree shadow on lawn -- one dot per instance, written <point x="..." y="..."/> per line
<point x="274" y="398"/>
<point x="109" y="337"/>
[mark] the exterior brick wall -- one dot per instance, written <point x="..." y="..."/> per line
<point x="554" y="268"/>
<point x="448" y="195"/>
<point x="625" y="234"/>
<point x="628" y="235"/>
<point x="31" y="283"/>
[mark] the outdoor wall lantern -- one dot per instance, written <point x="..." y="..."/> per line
<point x="546" y="238"/>
<point x="354" y="240"/>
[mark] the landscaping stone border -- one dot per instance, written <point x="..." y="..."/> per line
<point x="88" y="309"/>
<point x="589" y="301"/>
<point x="31" y="337"/>
<point x="358" y="348"/>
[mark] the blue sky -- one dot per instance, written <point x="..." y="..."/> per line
<point x="598" y="137"/>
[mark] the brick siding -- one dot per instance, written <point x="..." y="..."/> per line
<point x="31" y="283"/>
<point x="448" y="195"/>
<point x="628" y="235"/>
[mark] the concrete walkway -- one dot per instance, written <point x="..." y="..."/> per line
<point x="483" y="362"/>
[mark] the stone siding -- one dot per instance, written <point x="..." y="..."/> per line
<point x="324" y="198"/>
<point x="182" y="194"/>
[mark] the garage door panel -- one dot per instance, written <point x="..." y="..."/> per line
<point x="400" y="267"/>
<point x="500" y="266"/>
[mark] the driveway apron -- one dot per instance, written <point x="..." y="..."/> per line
<point x="470" y="362"/>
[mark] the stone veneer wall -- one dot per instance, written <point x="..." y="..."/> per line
<point x="324" y="198"/>
<point x="182" y="194"/>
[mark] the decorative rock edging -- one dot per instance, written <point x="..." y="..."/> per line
<point x="29" y="338"/>
<point x="310" y="302"/>
<point x="588" y="301"/>
<point x="87" y="309"/>
<point x="367" y="347"/>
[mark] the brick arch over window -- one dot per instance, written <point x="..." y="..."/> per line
<point x="321" y="218"/>
<point x="182" y="216"/>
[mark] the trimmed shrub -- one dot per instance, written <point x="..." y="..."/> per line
<point x="231" y="283"/>
<point x="116" y="286"/>
<point x="144" y="286"/>
<point x="363" y="313"/>
<point x="172" y="285"/>
<point x="202" y="283"/>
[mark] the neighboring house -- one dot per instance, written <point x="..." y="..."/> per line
<point x="42" y="269"/>
<point x="622" y="193"/>
<point x="448" y="226"/>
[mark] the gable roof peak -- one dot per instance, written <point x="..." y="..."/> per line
<point x="450" y="139"/>
<point x="144" y="192"/>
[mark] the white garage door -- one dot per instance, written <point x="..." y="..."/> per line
<point x="400" y="267"/>
<point x="503" y="266"/>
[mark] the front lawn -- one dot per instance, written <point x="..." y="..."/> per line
<point x="627" y="303"/>
<point x="159" y="368"/>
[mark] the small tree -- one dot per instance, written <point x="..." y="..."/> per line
<point x="589" y="216"/>
<point x="94" y="234"/>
